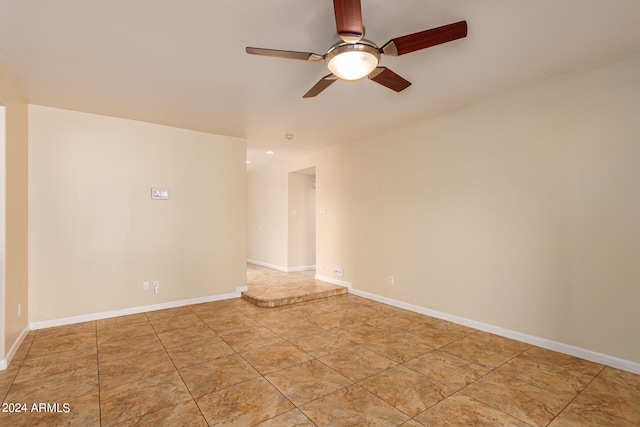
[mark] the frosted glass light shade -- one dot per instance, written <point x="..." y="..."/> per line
<point x="352" y="61"/>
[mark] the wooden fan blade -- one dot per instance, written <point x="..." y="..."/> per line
<point x="424" y="39"/>
<point x="348" y="20"/>
<point x="286" y="54"/>
<point x="324" y="83"/>
<point x="387" y="78"/>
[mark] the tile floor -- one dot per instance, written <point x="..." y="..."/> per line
<point x="337" y="361"/>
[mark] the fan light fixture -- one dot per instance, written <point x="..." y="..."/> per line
<point x="352" y="61"/>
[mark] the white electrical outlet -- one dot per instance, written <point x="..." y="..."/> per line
<point x="392" y="281"/>
<point x="19" y="310"/>
<point x="145" y="286"/>
<point x="338" y="271"/>
<point x="156" y="286"/>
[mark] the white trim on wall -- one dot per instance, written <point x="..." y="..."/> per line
<point x="134" y="310"/>
<point x="614" y="362"/>
<point x="4" y="363"/>
<point x="333" y="281"/>
<point x="280" y="268"/>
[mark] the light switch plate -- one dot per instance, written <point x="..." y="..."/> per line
<point x="160" y="193"/>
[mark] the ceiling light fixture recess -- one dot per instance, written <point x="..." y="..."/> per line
<point x="289" y="136"/>
<point x="269" y="152"/>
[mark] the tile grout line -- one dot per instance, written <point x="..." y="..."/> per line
<point x="95" y="324"/>
<point x="176" y="368"/>
<point x="24" y="358"/>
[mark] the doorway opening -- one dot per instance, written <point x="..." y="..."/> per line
<point x="301" y="236"/>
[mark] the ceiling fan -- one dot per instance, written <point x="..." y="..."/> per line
<point x="355" y="57"/>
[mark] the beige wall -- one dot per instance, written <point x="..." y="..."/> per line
<point x="14" y="215"/>
<point x="302" y="221"/>
<point x="521" y="212"/>
<point x="96" y="234"/>
<point x="267" y="222"/>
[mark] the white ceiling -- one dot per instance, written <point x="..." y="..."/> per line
<point x="183" y="63"/>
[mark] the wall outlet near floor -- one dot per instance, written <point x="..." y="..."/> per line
<point x="19" y="310"/>
<point x="338" y="271"/>
<point x="392" y="281"/>
<point x="156" y="286"/>
<point x="145" y="286"/>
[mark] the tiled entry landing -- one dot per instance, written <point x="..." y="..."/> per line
<point x="273" y="288"/>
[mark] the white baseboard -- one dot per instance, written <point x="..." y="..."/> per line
<point x="266" y="264"/>
<point x="302" y="268"/>
<point x="333" y="281"/>
<point x="4" y="363"/>
<point x="281" y="268"/>
<point x="135" y="310"/>
<point x="581" y="353"/>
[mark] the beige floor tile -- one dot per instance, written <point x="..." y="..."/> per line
<point x="184" y="320"/>
<point x="621" y="377"/>
<point x="185" y="414"/>
<point x="244" y="404"/>
<point x="61" y="331"/>
<point x="55" y="363"/>
<point x="391" y="323"/>
<point x="360" y="332"/>
<point x="274" y="316"/>
<point x="357" y="363"/>
<point x="363" y="313"/>
<point x="274" y="357"/>
<point x="543" y="355"/>
<point x="136" y="399"/>
<point x="220" y="308"/>
<point x="193" y="333"/>
<point x="521" y="400"/>
<point x="119" y="321"/>
<point x="486" y="349"/>
<point x="333" y="319"/>
<point x="126" y="331"/>
<point x="435" y="336"/>
<point x="199" y="352"/>
<point x="221" y="373"/>
<point x="60" y="387"/>
<point x="293" y="418"/>
<point x="131" y="369"/>
<point x="447" y="369"/>
<point x="352" y="407"/>
<point x="297" y="328"/>
<point x="322" y="343"/>
<point x="603" y="395"/>
<point x="399" y="347"/>
<point x="463" y="411"/>
<point x="307" y="381"/>
<point x="578" y="415"/>
<point x="82" y="342"/>
<point x="306" y="309"/>
<point x="251" y="338"/>
<point x="79" y="411"/>
<point x="130" y="347"/>
<point x="406" y="390"/>
<point x="551" y="377"/>
<point x="168" y="314"/>
<point x="231" y="325"/>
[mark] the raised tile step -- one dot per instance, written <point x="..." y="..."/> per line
<point x="271" y="299"/>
